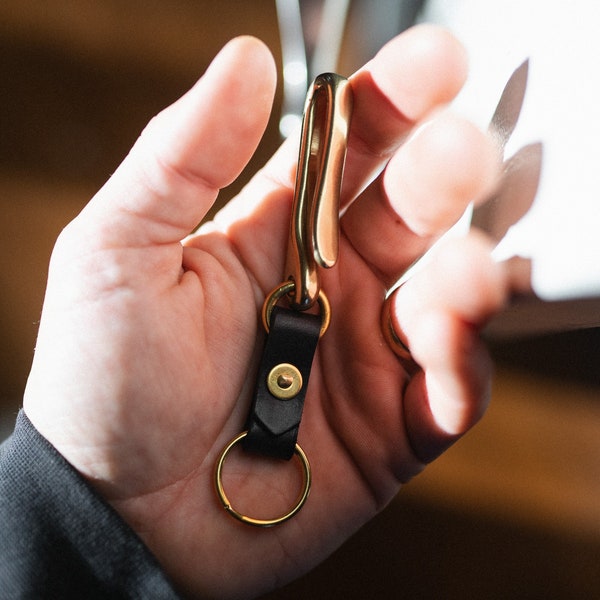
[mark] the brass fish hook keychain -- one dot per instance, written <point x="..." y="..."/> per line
<point x="293" y="334"/>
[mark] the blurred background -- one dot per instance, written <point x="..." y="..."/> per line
<point x="513" y="509"/>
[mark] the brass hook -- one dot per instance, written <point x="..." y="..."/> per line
<point x="314" y="231"/>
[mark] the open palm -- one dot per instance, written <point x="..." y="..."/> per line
<point x="147" y="346"/>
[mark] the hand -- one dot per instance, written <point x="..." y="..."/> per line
<point x="147" y="346"/>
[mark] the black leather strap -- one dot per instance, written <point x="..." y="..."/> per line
<point x="273" y="423"/>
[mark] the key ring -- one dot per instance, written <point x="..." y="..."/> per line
<point x="287" y="288"/>
<point x="293" y="333"/>
<point x="306" y="482"/>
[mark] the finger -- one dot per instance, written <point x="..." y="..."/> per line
<point x="189" y="151"/>
<point x="438" y="314"/>
<point x="444" y="401"/>
<point x="425" y="189"/>
<point x="421" y="69"/>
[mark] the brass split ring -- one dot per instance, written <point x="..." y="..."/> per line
<point x="306" y="477"/>
<point x="285" y="288"/>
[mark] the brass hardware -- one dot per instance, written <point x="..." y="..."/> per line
<point x="306" y="483"/>
<point x="284" y="381"/>
<point x="314" y="231"/>
<point x="398" y="347"/>
<point x="313" y="243"/>
<point x="286" y="288"/>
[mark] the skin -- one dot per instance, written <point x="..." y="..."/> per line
<point x="147" y="346"/>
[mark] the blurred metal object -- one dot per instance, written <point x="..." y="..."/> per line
<point x="320" y="35"/>
<point x="521" y="172"/>
<point x="295" y="69"/>
<point x="334" y="16"/>
<point x="299" y="64"/>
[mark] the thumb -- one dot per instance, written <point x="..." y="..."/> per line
<point x="187" y="153"/>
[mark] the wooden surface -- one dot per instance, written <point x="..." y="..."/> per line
<point x="534" y="459"/>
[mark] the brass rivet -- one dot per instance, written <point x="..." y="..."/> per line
<point x="284" y="381"/>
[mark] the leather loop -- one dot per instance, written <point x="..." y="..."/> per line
<point x="273" y="423"/>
